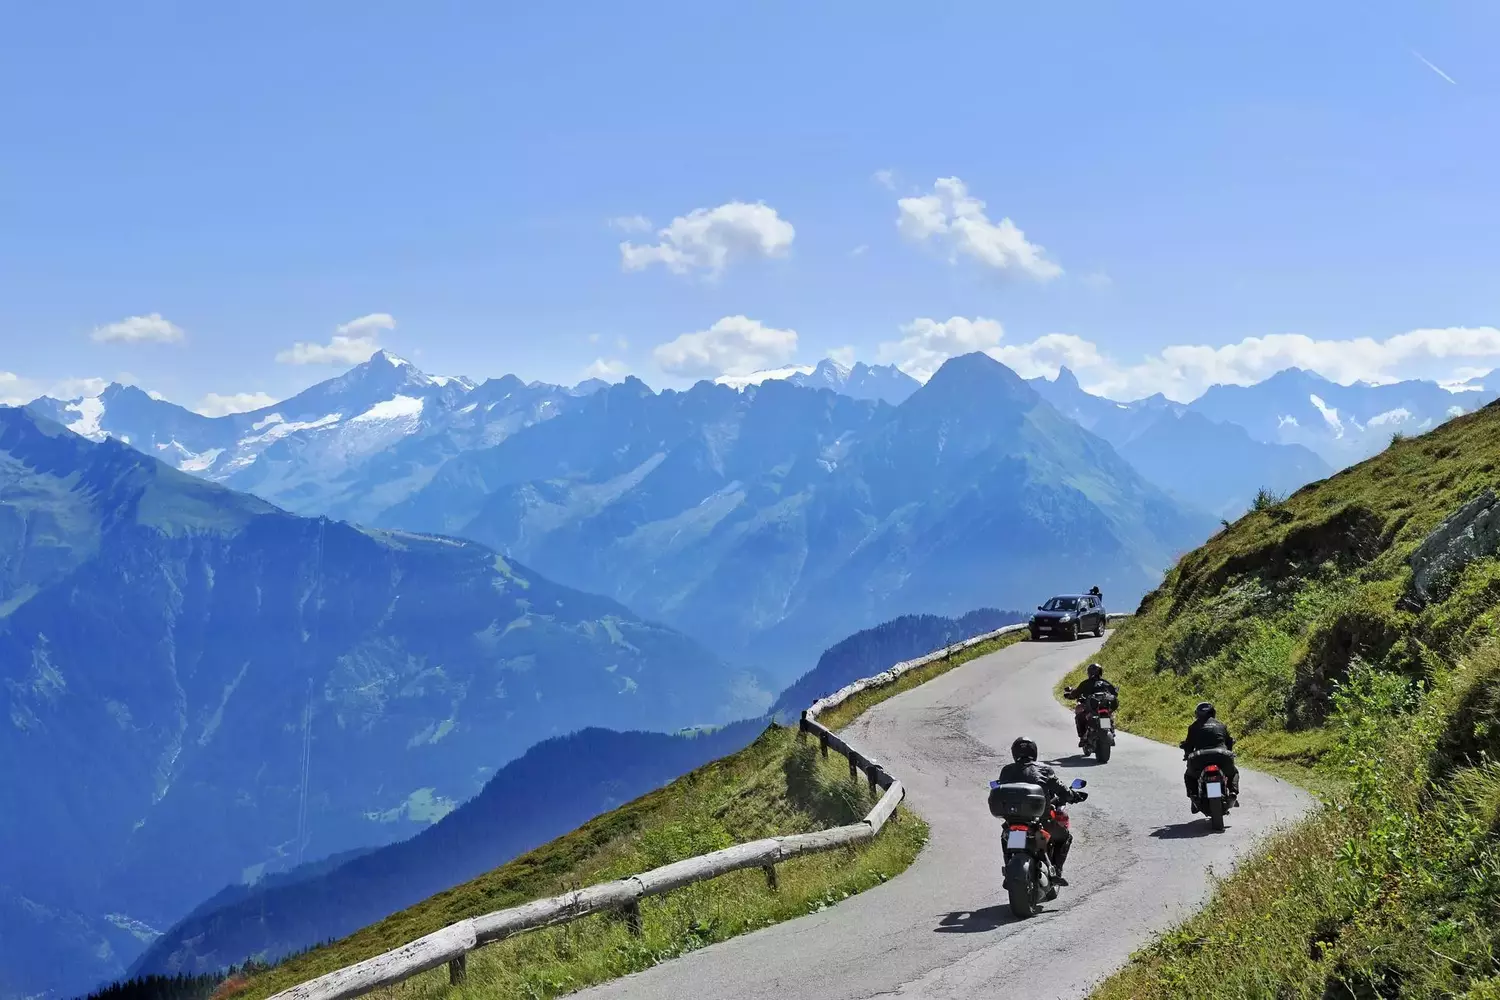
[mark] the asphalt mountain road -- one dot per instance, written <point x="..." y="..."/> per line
<point x="943" y="929"/>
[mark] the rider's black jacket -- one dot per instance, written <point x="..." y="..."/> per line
<point x="1033" y="773"/>
<point x="1207" y="734"/>
<point x="1089" y="685"/>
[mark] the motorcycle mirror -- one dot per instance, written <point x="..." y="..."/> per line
<point x="994" y="784"/>
<point x="1078" y="783"/>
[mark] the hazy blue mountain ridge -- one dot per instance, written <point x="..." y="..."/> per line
<point x="197" y="683"/>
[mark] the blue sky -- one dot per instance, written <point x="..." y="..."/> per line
<point x="1205" y="193"/>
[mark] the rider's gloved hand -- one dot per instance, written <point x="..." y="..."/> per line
<point x="1080" y="796"/>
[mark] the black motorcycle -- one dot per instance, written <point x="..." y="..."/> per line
<point x="1215" y="795"/>
<point x="1099" y="731"/>
<point x="1027" y="847"/>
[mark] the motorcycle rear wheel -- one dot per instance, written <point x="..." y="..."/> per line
<point x="1102" y="749"/>
<point x="1021" y="885"/>
<point x="1216" y="814"/>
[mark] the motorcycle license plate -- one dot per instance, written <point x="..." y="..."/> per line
<point x="1016" y="840"/>
<point x="1107" y="723"/>
<point x="1215" y="790"/>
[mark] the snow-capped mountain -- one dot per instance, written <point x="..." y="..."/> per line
<point x="1342" y="423"/>
<point x="1213" y="465"/>
<point x="860" y="381"/>
<point x="348" y="447"/>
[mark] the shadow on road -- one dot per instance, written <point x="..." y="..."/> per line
<point x="1077" y="760"/>
<point x="1180" y="831"/>
<point x="975" y="921"/>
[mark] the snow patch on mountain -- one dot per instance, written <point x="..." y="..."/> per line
<point x="186" y="459"/>
<point x="1330" y="415"/>
<point x="276" y="427"/>
<point x="394" y="409"/>
<point x="1400" y="415"/>
<point x="90" y="410"/>
<point x="738" y="382"/>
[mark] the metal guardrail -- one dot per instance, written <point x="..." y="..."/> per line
<point x="452" y="944"/>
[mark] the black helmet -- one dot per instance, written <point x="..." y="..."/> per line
<point x="1095" y="670"/>
<point x="1023" y="750"/>
<point x="1205" y="710"/>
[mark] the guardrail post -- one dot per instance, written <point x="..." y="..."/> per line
<point x="802" y="727"/>
<point x="823" y="744"/>
<point x="633" y="917"/>
<point x="458" y="970"/>
<point x="853" y="769"/>
<point x="771" y="882"/>
<point x="871" y="773"/>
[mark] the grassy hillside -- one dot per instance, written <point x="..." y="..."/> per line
<point x="1307" y="625"/>
<point x="774" y="786"/>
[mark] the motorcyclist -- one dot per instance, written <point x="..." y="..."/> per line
<point x="1207" y="733"/>
<point x="1095" y="682"/>
<point x="1026" y="769"/>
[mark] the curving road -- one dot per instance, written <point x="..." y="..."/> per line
<point x="942" y="929"/>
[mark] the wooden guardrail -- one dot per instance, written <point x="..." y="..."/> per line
<point x="452" y="944"/>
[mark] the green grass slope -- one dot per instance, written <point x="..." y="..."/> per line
<point x="774" y="786"/>
<point x="1302" y="623"/>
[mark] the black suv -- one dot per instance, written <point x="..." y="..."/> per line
<point x="1069" y="615"/>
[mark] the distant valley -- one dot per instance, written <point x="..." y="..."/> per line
<point x="192" y="673"/>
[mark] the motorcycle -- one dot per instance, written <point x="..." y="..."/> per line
<point x="1215" y="796"/>
<point x="1026" y="849"/>
<point x="1099" y="736"/>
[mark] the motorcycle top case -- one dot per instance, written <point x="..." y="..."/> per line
<point x="1018" y="800"/>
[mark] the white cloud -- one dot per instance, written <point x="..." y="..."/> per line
<point x="139" y="330"/>
<point x="631" y="223"/>
<point x="886" y="179"/>
<point x="367" y="326"/>
<point x="843" y="355"/>
<point x="352" y="343"/>
<point x="860" y="250"/>
<point x="609" y="369"/>
<point x="953" y="218"/>
<point x="928" y="343"/>
<point x="16" y="390"/>
<point x="217" y="405"/>
<point x="734" y="345"/>
<point x="13" y="390"/>
<point x="709" y="239"/>
<point x="1183" y="371"/>
<point x="1046" y="354"/>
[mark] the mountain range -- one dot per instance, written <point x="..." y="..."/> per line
<point x="1210" y="465"/>
<point x="886" y="383"/>
<point x="346" y="448"/>
<point x="190" y="617"/>
<point x="773" y="520"/>
<point x="199" y="687"/>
